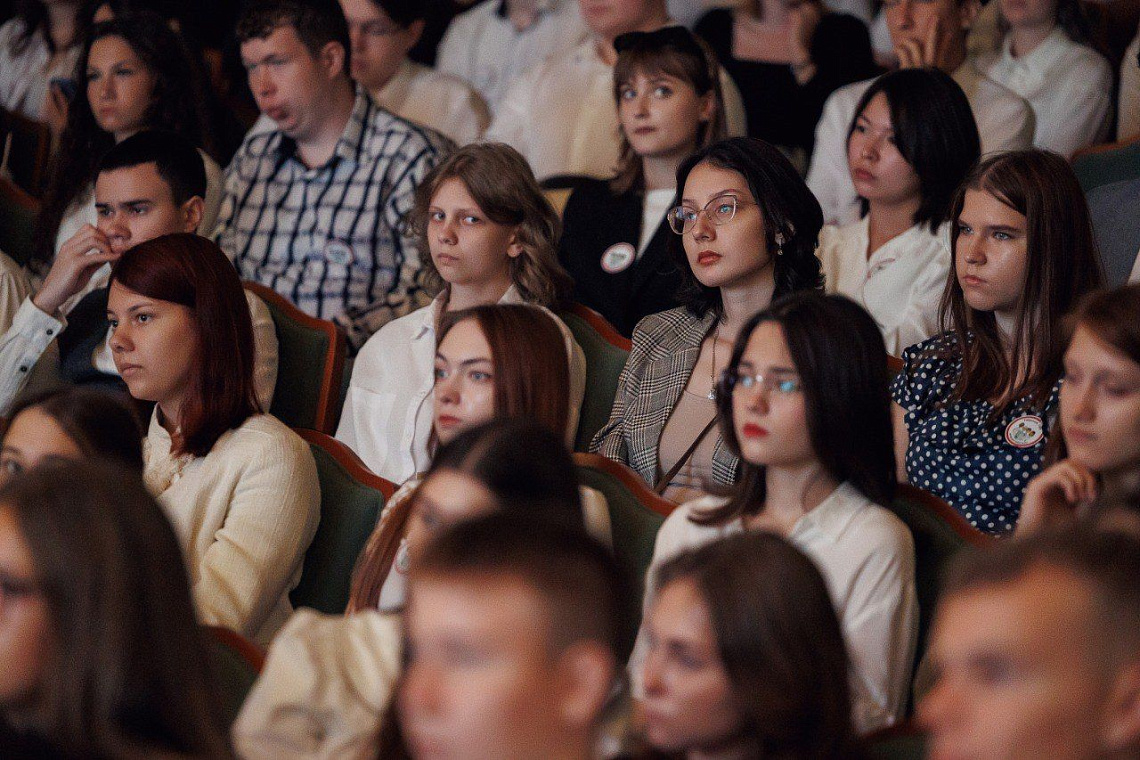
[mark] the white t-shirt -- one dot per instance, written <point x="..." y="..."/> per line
<point x="653" y="210"/>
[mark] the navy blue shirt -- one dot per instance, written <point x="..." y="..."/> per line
<point x="978" y="467"/>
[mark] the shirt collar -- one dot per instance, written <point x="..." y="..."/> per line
<point x="542" y="6"/>
<point x="1043" y="56"/>
<point x="432" y="313"/>
<point x="396" y="91"/>
<point x="832" y="516"/>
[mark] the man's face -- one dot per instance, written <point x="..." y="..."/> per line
<point x="1019" y="673"/>
<point x="480" y="671"/>
<point x="288" y="82"/>
<point x="610" y="18"/>
<point x="947" y="21"/>
<point x="134" y="204"/>
<point x="378" y="43"/>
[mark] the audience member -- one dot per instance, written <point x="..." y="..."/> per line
<point x="148" y="185"/>
<point x="614" y="236"/>
<point x="70" y="425"/>
<point x="313" y="206"/>
<point x="492" y="236"/>
<point x="925" y="34"/>
<point x="239" y="486"/>
<point x="748" y="228"/>
<point x="497" y="40"/>
<point x="137" y="76"/>
<point x="1117" y="227"/>
<point x="803" y="402"/>
<point x="975" y="405"/>
<point x="1128" y="117"/>
<point x="38" y="49"/>
<point x="790" y="53"/>
<point x="559" y="113"/>
<point x="912" y="143"/>
<point x="543" y="611"/>
<point x="745" y="656"/>
<point x="1045" y="59"/>
<point x="102" y="654"/>
<point x="1036" y="646"/>
<point x="382" y="32"/>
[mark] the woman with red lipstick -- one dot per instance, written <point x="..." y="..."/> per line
<point x="803" y="402"/>
<point x="614" y="234"/>
<point x="912" y="143"/>
<point x="974" y="406"/>
<point x="492" y="236"/>
<point x="748" y="227"/>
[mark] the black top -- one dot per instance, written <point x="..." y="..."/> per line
<point x="779" y="109"/>
<point x="86" y="330"/>
<point x="596" y="219"/>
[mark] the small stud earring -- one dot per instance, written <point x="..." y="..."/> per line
<point x="779" y="244"/>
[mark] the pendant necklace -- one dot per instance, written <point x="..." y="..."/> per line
<point x="712" y="372"/>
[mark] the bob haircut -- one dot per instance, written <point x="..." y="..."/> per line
<point x="100" y="424"/>
<point x="934" y="131"/>
<point x="128" y="675"/>
<point x="192" y="271"/>
<point x="524" y="464"/>
<point x="503" y="185"/>
<point x="778" y="639"/>
<point x="841" y="359"/>
<point x="1062" y="265"/>
<point x="676" y="52"/>
<point x="787" y="206"/>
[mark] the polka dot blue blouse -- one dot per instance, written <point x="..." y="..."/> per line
<point x="980" y="468"/>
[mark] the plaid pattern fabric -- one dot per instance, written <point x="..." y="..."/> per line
<point x="665" y="350"/>
<point x="331" y="239"/>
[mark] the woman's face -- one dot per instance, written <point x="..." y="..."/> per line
<point x="1100" y="404"/>
<point x="991" y="253"/>
<point x="688" y="703"/>
<point x="32" y="438"/>
<point x="769" y="415"/>
<point x="1027" y="13"/>
<point x="661" y="115"/>
<point x="155" y="346"/>
<point x="445" y="498"/>
<point x="25" y="620"/>
<point x="735" y="253"/>
<point x="467" y="248"/>
<point x="464" y="381"/>
<point x="120" y="87"/>
<point x="879" y="171"/>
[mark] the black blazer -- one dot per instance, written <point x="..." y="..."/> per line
<point x="595" y="219"/>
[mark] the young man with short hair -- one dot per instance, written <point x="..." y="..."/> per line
<point x="314" y="206"/>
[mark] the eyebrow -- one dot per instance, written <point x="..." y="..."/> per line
<point x="465" y="362"/>
<point x="719" y="193"/>
<point x="133" y="202"/>
<point x="782" y="369"/>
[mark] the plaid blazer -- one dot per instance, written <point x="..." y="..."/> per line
<point x="665" y="350"/>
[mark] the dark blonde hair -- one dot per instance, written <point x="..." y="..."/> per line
<point x="504" y="187"/>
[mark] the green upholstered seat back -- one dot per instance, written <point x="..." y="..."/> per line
<point x="905" y="747"/>
<point x="232" y="673"/>
<point x="16" y="228"/>
<point x="1096" y="169"/>
<point x="302" y="352"/>
<point x="604" y="363"/>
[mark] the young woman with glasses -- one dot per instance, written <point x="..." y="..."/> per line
<point x="804" y="404"/>
<point x="748" y="227"/>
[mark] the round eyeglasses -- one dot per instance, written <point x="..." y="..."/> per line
<point x="781" y="381"/>
<point x="720" y="210"/>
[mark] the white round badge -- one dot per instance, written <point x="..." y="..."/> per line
<point x="338" y="252"/>
<point x="1025" y="431"/>
<point x="618" y="257"/>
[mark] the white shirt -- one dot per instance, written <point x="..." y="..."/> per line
<point x="25" y="76"/>
<point x="866" y="556"/>
<point x="653" y="208"/>
<point x="1068" y="84"/>
<point x="1005" y="122"/>
<point x="1128" y="124"/>
<point x="900" y="285"/>
<point x="387" y="415"/>
<point x="245" y="514"/>
<point x="561" y="115"/>
<point x="439" y="101"/>
<point x="485" y="49"/>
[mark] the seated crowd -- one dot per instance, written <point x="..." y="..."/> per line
<point x="696" y="381"/>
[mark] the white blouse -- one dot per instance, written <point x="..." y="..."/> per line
<point x="900" y="285"/>
<point x="1128" y="122"/>
<point x="440" y="101"/>
<point x="1068" y="84"/>
<point x="24" y="76"/>
<point x="245" y="514"/>
<point x="866" y="556"/>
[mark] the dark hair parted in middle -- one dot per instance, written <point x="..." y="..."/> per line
<point x="841" y="359"/>
<point x="934" y="131"/>
<point x="786" y="205"/>
<point x="192" y="271"/>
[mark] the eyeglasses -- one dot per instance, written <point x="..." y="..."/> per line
<point x="782" y="382"/>
<point x="12" y="589"/>
<point x="718" y="211"/>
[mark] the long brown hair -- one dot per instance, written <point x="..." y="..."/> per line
<point x="128" y="675"/>
<point x="1061" y="265"/>
<point x="192" y="271"/>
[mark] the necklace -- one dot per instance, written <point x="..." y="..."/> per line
<point x="712" y="371"/>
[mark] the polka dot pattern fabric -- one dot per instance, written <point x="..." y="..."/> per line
<point x="954" y="452"/>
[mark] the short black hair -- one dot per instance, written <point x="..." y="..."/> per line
<point x="178" y="162"/>
<point x="316" y="22"/>
<point x="404" y="12"/>
<point x="934" y="131"/>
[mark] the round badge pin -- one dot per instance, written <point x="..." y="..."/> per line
<point x="618" y="257"/>
<point x="1025" y="431"/>
<point x="338" y="252"/>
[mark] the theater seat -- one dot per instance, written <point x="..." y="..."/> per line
<point x="235" y="664"/>
<point x="17" y="221"/>
<point x="351" y="500"/>
<point x="1105" y="164"/>
<point x="902" y="742"/>
<point x="310" y="361"/>
<point x="606" y="351"/>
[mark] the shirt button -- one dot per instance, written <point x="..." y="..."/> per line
<point x="23" y="369"/>
<point x="51" y="332"/>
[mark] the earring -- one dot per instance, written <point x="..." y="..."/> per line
<point x="780" y="244"/>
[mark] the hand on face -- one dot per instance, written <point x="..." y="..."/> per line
<point x="78" y="259"/>
<point x="1056" y="496"/>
